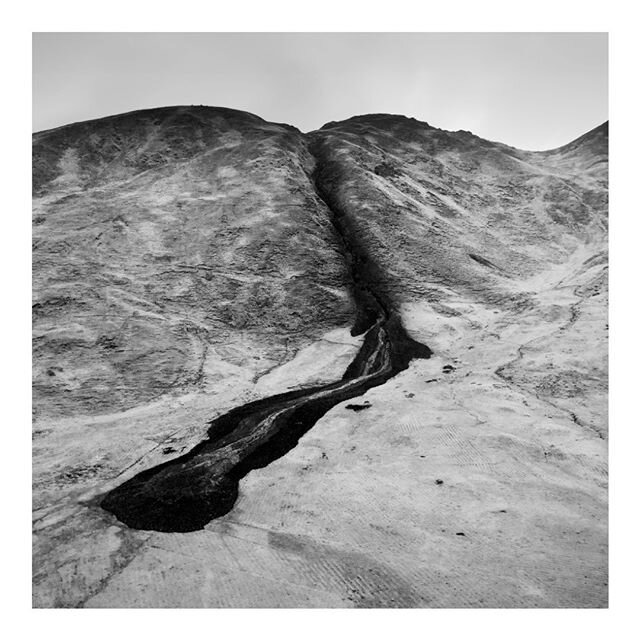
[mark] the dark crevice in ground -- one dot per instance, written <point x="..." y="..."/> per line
<point x="186" y="493"/>
<point x="486" y="263"/>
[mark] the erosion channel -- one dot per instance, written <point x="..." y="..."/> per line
<point x="187" y="492"/>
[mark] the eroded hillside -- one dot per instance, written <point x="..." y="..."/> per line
<point x="172" y="248"/>
<point x="190" y="260"/>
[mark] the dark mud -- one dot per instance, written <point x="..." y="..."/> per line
<point x="186" y="493"/>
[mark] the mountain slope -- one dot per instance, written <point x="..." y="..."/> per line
<point x="190" y="260"/>
<point x="172" y="247"/>
<point x="456" y="220"/>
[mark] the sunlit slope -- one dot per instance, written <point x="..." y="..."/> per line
<point x="443" y="209"/>
<point x="171" y="247"/>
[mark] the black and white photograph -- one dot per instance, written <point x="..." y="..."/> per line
<point x="344" y="347"/>
<point x="320" y="321"/>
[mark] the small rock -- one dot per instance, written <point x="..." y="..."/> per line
<point x="358" y="407"/>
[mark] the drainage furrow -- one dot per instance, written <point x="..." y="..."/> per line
<point x="186" y="493"/>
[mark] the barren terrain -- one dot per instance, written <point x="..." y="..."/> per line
<point x="189" y="260"/>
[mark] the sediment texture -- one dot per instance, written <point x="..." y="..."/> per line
<point x="196" y="266"/>
<point x="171" y="248"/>
<point x="187" y="493"/>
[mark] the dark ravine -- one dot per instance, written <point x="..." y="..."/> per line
<point x="187" y="492"/>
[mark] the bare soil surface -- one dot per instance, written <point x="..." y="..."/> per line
<point x="184" y="266"/>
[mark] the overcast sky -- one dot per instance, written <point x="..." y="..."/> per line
<point x="532" y="91"/>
